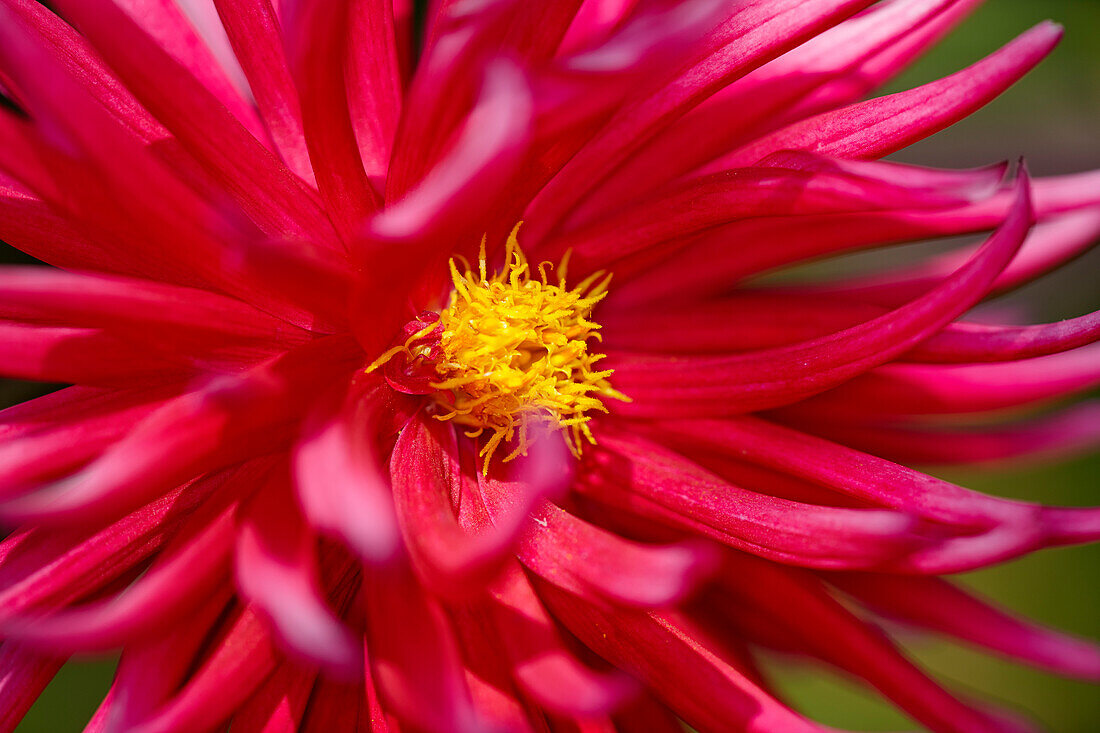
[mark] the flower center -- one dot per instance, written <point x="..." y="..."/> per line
<point x="511" y="352"/>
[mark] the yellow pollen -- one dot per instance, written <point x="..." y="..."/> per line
<point x="515" y="353"/>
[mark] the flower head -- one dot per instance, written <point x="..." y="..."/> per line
<point x="511" y="351"/>
<point x="341" y="453"/>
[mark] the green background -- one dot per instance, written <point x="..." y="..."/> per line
<point x="1052" y="118"/>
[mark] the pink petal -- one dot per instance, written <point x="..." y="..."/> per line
<point x="374" y="87"/>
<point x="542" y="665"/>
<point x="80" y="61"/>
<point x="884" y="66"/>
<point x="24" y="674"/>
<point x="413" y="655"/>
<point x="786" y="597"/>
<point x="31" y="226"/>
<point x="276" y="564"/>
<point x="217" y="425"/>
<point x="935" y="604"/>
<point x="645" y="713"/>
<point x="641" y="476"/>
<point x="177" y="235"/>
<point x="340" y="476"/>
<point x="1051" y="244"/>
<point x="150" y="672"/>
<point x="450" y="202"/>
<point x="981" y="530"/>
<point x="333" y="706"/>
<point x="81" y="356"/>
<point x="1066" y="432"/>
<point x="787" y="185"/>
<point x="918" y="389"/>
<point x="184" y="574"/>
<point x="253" y="30"/>
<point x="769" y="378"/>
<point x="48" y="295"/>
<point x="279" y="203"/>
<point x="426" y="471"/>
<point x="61" y="447"/>
<point x="583" y="558"/>
<point x="279" y="704"/>
<point x="41" y="569"/>
<point x="752" y="35"/>
<point x="747" y="321"/>
<point x="842" y="469"/>
<point x="316" y="41"/>
<point x="713" y="264"/>
<point x="882" y="126"/>
<point x="967" y="342"/>
<point x="595" y="20"/>
<point x="757" y="101"/>
<point x="489" y="675"/>
<point x="686" y="671"/>
<point x="238" y="665"/>
<point x="460" y="43"/>
<point x="172" y="31"/>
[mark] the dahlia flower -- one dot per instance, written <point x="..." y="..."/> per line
<point x="420" y="378"/>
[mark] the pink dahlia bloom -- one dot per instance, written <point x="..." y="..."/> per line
<point x="345" y="449"/>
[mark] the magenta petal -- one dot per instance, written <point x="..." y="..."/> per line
<point x="782" y="185"/>
<point x="784" y="597"/>
<point x="451" y="201"/>
<point x="1065" y="432"/>
<point x="1065" y="206"/>
<point x="934" y="389"/>
<point x="752" y="34"/>
<point x="181" y="578"/>
<point x="333" y="706"/>
<point x="24" y="673"/>
<point x="688" y="673"/>
<point x="178" y="233"/>
<point x="272" y="196"/>
<point x="341" y="480"/>
<point x="882" y="126"/>
<point x="748" y="321"/>
<point x="31" y="226"/>
<point x="229" y="419"/>
<point x="79" y="355"/>
<point x="769" y="378"/>
<point x="876" y="71"/>
<point x="41" y="569"/>
<point x="542" y="664"/>
<point x="280" y="702"/>
<point x="31" y="457"/>
<point x="964" y="342"/>
<point x="253" y="29"/>
<point x="935" y="604"/>
<point x="316" y="41"/>
<point x="150" y="672"/>
<point x="373" y="76"/>
<point x="45" y="295"/>
<point x="844" y="470"/>
<point x="479" y="164"/>
<point x="276" y="561"/>
<point x="762" y="99"/>
<point x="583" y="558"/>
<point x="426" y="472"/>
<point x="633" y="473"/>
<point x="174" y="25"/>
<point x="1053" y="242"/>
<point x="238" y="665"/>
<point x="983" y="529"/>
<point x="414" y="656"/>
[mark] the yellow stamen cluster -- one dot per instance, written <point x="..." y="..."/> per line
<point x="515" y="353"/>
